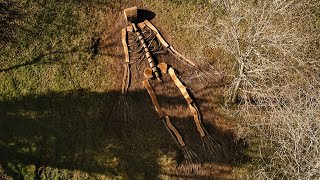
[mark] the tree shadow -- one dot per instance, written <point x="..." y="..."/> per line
<point x="20" y="25"/>
<point x="67" y="130"/>
<point x="94" y="49"/>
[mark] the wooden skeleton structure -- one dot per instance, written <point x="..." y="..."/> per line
<point x="138" y="43"/>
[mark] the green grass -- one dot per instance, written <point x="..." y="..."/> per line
<point x="48" y="51"/>
<point x="56" y="91"/>
<point x="51" y="48"/>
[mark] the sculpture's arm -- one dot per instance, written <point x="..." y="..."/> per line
<point x="126" y="75"/>
<point x="165" y="44"/>
<point x="125" y="45"/>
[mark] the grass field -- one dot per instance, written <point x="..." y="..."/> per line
<point x="52" y="82"/>
<point x="60" y="74"/>
<point x="55" y="92"/>
<point x="58" y="61"/>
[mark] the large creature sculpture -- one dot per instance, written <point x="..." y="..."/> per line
<point x="141" y="41"/>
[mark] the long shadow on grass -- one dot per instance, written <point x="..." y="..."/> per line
<point x="67" y="130"/>
<point x="75" y="131"/>
<point x="22" y="27"/>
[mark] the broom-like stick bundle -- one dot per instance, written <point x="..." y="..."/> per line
<point x="124" y="108"/>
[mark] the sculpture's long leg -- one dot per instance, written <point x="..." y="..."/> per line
<point x="165" y="44"/>
<point x="153" y="97"/>
<point x="190" y="157"/>
<point x="213" y="149"/>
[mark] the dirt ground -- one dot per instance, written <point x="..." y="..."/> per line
<point x="173" y="102"/>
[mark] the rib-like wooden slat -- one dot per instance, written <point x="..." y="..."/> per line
<point x="141" y="25"/>
<point x="160" y="38"/>
<point x="149" y="57"/>
<point x="165" y="44"/>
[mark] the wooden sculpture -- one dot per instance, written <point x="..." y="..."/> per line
<point x="136" y="40"/>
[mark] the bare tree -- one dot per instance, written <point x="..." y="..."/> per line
<point x="263" y="39"/>
<point x="274" y="46"/>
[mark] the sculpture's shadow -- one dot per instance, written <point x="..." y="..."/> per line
<point x="144" y="14"/>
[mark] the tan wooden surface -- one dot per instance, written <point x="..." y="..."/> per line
<point x="160" y="38"/>
<point x="175" y="131"/>
<point x="125" y="45"/>
<point x="181" y="56"/>
<point x="131" y="14"/>
<point x="163" y="67"/>
<point x="153" y="97"/>
<point x="197" y="120"/>
<point x="182" y="88"/>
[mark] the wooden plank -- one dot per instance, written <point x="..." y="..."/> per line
<point x="141" y="25"/>
<point x="182" y="88"/>
<point x="163" y="67"/>
<point x="197" y="120"/>
<point x="125" y="45"/>
<point x="129" y="28"/>
<point x="160" y="38"/>
<point x="124" y="79"/>
<point x="153" y="97"/>
<point x="131" y="14"/>
<point x="175" y="131"/>
<point x="181" y="56"/>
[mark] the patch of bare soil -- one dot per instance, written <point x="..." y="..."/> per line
<point x="172" y="102"/>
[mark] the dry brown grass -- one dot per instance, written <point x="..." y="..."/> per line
<point x="273" y="46"/>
